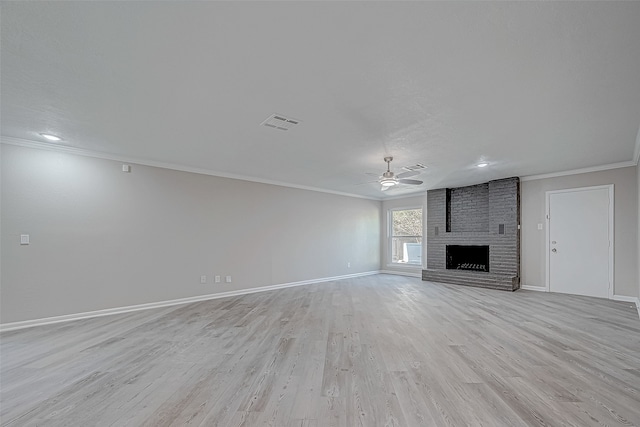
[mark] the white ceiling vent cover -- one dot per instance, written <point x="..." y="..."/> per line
<point x="416" y="167"/>
<point x="280" y="122"/>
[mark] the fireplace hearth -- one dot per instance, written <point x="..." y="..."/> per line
<point x="473" y="258"/>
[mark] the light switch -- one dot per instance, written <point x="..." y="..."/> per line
<point x="228" y="279"/>
<point x="24" y="239"/>
<point x="126" y="168"/>
<point x="539" y="226"/>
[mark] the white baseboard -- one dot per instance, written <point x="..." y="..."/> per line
<point x="5" y="327"/>
<point x="624" y="298"/>
<point x="401" y="273"/>
<point x="533" y="288"/>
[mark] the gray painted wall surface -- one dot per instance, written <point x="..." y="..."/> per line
<point x="625" y="216"/>
<point x="101" y="238"/>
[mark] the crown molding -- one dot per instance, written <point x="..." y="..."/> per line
<point x="8" y="140"/>
<point x="173" y="166"/>
<point x="579" y="171"/>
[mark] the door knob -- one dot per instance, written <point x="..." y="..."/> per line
<point x="554" y="250"/>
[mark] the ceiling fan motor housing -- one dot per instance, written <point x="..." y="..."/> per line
<point x="389" y="179"/>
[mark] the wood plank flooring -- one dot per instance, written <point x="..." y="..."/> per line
<point x="374" y="351"/>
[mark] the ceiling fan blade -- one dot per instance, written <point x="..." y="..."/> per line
<point x="407" y="174"/>
<point x="410" y="181"/>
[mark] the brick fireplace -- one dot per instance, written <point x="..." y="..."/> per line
<point x="473" y="237"/>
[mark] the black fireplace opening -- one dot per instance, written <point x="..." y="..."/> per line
<point x="474" y="258"/>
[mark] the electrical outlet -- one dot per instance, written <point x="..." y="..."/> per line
<point x="203" y="279"/>
<point x="228" y="280"/>
<point x="217" y="279"/>
<point x="349" y="264"/>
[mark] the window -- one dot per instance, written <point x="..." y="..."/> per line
<point x="405" y="236"/>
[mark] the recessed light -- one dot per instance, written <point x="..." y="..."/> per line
<point x="482" y="165"/>
<point x="51" y="137"/>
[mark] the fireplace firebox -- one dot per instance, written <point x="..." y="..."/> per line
<point x="474" y="258"/>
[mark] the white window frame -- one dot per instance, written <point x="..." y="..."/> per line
<point x="390" y="262"/>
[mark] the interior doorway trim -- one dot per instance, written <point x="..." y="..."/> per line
<point x="609" y="188"/>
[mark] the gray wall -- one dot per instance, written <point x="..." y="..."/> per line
<point x="533" y="247"/>
<point x="101" y="238"/>
<point x="405" y="202"/>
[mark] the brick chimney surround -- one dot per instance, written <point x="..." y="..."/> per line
<point x="464" y="222"/>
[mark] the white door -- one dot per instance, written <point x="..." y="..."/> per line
<point x="579" y="241"/>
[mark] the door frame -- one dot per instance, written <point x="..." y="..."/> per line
<point x="548" y="194"/>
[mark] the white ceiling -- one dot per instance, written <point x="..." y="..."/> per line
<point x="529" y="87"/>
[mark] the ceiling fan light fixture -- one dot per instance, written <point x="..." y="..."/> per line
<point x="51" y="137"/>
<point x="389" y="179"/>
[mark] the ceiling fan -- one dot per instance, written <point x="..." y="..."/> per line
<point x="389" y="179"/>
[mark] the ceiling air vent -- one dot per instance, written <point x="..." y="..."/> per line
<point x="280" y="122"/>
<point x="416" y="167"/>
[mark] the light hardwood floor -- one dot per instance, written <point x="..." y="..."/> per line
<point x="374" y="351"/>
